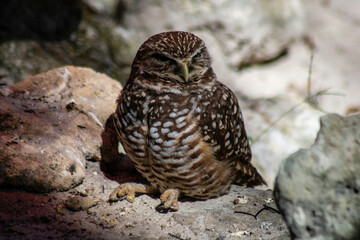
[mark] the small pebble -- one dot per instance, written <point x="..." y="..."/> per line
<point x="107" y="221"/>
<point x="241" y="233"/>
<point x="78" y="203"/>
<point x="241" y="199"/>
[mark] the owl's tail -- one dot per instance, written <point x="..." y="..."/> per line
<point x="247" y="175"/>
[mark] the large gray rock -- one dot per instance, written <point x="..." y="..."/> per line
<point x="318" y="189"/>
<point x="50" y="124"/>
<point x="246" y="32"/>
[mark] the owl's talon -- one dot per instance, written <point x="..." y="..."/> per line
<point x="123" y="191"/>
<point x="127" y="191"/>
<point x="169" y="200"/>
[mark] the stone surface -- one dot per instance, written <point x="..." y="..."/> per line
<point x="246" y="32"/>
<point x="271" y="145"/>
<point x="318" y="189"/>
<point x="335" y="63"/>
<point x="38" y="216"/>
<point x="50" y="124"/>
<point x="41" y="20"/>
<point x="98" y="43"/>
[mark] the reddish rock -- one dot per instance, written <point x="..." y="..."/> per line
<point x="50" y="124"/>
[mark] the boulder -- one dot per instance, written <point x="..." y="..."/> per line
<point x="49" y="20"/>
<point x="98" y="43"/>
<point x="318" y="189"/>
<point x="50" y="124"/>
<point x="245" y="32"/>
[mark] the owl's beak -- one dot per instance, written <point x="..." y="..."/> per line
<point x="185" y="71"/>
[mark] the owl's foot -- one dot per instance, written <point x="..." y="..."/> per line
<point x="127" y="191"/>
<point x="169" y="201"/>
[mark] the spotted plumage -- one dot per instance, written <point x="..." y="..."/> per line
<point x="182" y="128"/>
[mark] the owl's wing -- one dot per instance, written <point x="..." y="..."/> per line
<point x="222" y="124"/>
<point x="130" y="126"/>
<point x="223" y="128"/>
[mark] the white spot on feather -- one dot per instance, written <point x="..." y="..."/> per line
<point x="168" y="124"/>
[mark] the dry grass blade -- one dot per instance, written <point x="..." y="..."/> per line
<point x="311" y="99"/>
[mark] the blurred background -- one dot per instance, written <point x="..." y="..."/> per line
<point x="288" y="61"/>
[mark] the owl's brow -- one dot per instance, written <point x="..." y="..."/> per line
<point x="199" y="50"/>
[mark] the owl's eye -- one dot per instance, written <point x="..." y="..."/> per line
<point x="199" y="55"/>
<point x="161" y="58"/>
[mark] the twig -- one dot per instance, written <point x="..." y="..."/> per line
<point x="311" y="102"/>
<point x="309" y="75"/>
<point x="257" y="214"/>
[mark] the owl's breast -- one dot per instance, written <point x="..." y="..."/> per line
<point x="167" y="145"/>
<point x="178" y="155"/>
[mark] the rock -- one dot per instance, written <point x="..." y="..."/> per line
<point x="98" y="43"/>
<point x="103" y="7"/>
<point x="50" y="124"/>
<point x="106" y="221"/>
<point x="78" y="203"/>
<point x="246" y="32"/>
<point x="41" y="20"/>
<point x="318" y="189"/>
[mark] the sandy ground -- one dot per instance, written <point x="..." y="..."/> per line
<point x="68" y="215"/>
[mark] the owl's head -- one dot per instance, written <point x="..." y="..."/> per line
<point x="176" y="56"/>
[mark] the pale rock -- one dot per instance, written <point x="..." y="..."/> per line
<point x="318" y="189"/>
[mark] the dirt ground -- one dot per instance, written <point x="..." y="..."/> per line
<point x="68" y="215"/>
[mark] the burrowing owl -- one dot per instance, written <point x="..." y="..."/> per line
<point x="181" y="127"/>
